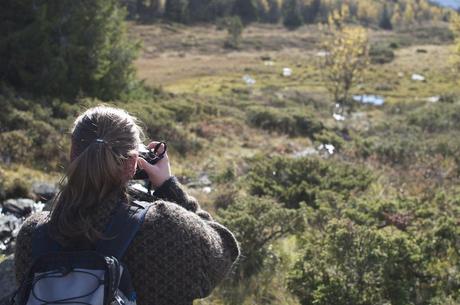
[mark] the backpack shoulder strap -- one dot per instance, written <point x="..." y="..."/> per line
<point x="122" y="228"/>
<point x="42" y="243"/>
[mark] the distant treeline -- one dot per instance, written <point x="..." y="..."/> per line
<point x="293" y="13"/>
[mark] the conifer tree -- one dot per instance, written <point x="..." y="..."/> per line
<point x="385" y="19"/>
<point x="311" y="11"/>
<point x="246" y="9"/>
<point x="274" y="11"/>
<point x="199" y="10"/>
<point x="292" y="17"/>
<point x="176" y="10"/>
<point x="66" y="48"/>
<point x="263" y="8"/>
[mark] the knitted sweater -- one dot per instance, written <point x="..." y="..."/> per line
<point x="179" y="254"/>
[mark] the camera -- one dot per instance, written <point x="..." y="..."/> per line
<point x="152" y="156"/>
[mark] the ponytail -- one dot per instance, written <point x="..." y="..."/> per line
<point x="102" y="139"/>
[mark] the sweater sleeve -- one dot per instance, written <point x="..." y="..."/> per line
<point x="181" y="253"/>
<point x="171" y="190"/>
<point x="23" y="250"/>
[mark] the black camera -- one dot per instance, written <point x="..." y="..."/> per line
<point x="152" y="156"/>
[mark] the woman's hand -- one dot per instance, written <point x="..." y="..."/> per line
<point x="158" y="173"/>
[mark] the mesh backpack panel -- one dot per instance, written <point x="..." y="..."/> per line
<point x="96" y="277"/>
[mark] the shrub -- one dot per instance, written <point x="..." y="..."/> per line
<point x="234" y="31"/>
<point x="256" y="223"/>
<point x="381" y="54"/>
<point x="286" y="121"/>
<point x="398" y="148"/>
<point x="394" y="45"/>
<point x="448" y="98"/>
<point x="16" y="147"/>
<point x="17" y="188"/>
<point x="181" y="140"/>
<point x="2" y="185"/>
<point x="437" y="118"/>
<point x="402" y="140"/>
<point x="330" y="137"/>
<point x="167" y="122"/>
<point x="433" y="33"/>
<point x="293" y="181"/>
<point x="228" y="175"/>
<point x="351" y="264"/>
<point x="17" y="119"/>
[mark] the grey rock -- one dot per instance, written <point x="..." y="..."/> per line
<point x="7" y="279"/>
<point x="44" y="190"/>
<point x="202" y="181"/>
<point x="309" y="151"/>
<point x="19" y="207"/>
<point x="9" y="229"/>
<point x="9" y="226"/>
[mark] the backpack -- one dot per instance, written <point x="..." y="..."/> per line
<point x="95" y="277"/>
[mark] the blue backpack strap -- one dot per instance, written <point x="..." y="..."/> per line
<point x="122" y="229"/>
<point x="42" y="243"/>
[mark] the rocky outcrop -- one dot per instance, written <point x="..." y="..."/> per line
<point x="7" y="280"/>
<point x="18" y="207"/>
<point x="9" y="228"/>
<point x="44" y="191"/>
<point x="13" y="213"/>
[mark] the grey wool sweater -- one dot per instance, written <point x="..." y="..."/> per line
<point x="179" y="254"/>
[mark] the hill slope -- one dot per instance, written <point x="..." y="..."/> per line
<point x="449" y="3"/>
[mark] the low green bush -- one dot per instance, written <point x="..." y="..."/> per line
<point x="293" y="181"/>
<point x="433" y="33"/>
<point x="436" y="117"/>
<point x="381" y="54"/>
<point x="397" y="148"/>
<point x="160" y="123"/>
<point x="2" y="185"/>
<point x="287" y="121"/>
<point x="359" y="265"/>
<point x="257" y="222"/>
<point x="16" y="147"/>
<point x="17" y="188"/>
<point x="330" y="137"/>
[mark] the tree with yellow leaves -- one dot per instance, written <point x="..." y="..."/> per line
<point x="455" y="26"/>
<point x="345" y="11"/>
<point x="409" y="14"/>
<point x="346" y="56"/>
<point x="368" y="12"/>
<point x="397" y="18"/>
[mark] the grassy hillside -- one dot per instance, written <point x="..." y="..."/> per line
<point x="391" y="181"/>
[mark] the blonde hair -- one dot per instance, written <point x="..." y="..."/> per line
<point x="102" y="139"/>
